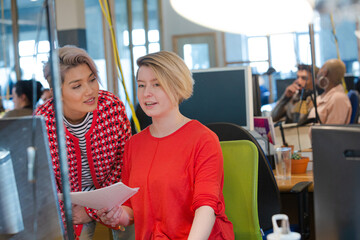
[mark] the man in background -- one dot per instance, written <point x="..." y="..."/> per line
<point x="296" y="102"/>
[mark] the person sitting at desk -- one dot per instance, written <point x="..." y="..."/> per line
<point x="176" y="162"/>
<point x="333" y="105"/>
<point x="296" y="102"/>
<point x="22" y="93"/>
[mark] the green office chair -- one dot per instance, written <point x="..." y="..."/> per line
<point x="240" y="187"/>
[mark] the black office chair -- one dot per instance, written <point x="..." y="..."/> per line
<point x="269" y="202"/>
<point x="354" y="100"/>
<point x="144" y="120"/>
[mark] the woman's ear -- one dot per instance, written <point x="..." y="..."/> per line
<point x="24" y="98"/>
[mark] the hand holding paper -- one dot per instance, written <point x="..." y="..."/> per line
<point x="106" y="197"/>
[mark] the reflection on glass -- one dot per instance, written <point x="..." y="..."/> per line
<point x="196" y="56"/>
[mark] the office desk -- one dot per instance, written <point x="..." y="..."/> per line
<point x="286" y="185"/>
<point x="290" y="201"/>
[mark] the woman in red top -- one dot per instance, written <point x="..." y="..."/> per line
<point x="177" y="162"/>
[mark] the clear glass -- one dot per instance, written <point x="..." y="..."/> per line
<point x="283" y="163"/>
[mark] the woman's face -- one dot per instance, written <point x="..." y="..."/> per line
<point x="79" y="92"/>
<point x="16" y="99"/>
<point x="152" y="98"/>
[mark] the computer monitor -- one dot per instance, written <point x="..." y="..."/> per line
<point x="256" y="95"/>
<point x="26" y="204"/>
<point x="336" y="159"/>
<point x="221" y="95"/>
<point x="281" y="85"/>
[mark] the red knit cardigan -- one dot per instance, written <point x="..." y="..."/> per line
<point x="105" y="142"/>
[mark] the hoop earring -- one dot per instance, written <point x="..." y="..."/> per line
<point x="323" y="82"/>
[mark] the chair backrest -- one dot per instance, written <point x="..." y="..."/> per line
<point x="354" y="100"/>
<point x="240" y="188"/>
<point x="269" y="202"/>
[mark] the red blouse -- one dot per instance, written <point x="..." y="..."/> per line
<point x="176" y="174"/>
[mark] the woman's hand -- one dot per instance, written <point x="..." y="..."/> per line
<point x="79" y="215"/>
<point x="112" y="217"/>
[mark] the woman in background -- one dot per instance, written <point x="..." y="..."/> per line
<point x="22" y="93"/>
<point x="96" y="130"/>
<point x="177" y="162"/>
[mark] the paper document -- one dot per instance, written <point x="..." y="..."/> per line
<point x="106" y="197"/>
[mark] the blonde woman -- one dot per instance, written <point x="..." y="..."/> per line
<point x="177" y="162"/>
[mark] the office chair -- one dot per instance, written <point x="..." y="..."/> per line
<point x="144" y="120"/>
<point x="268" y="193"/>
<point x="354" y="100"/>
<point x="240" y="187"/>
<point x="269" y="202"/>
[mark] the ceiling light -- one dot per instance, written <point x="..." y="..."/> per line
<point x="250" y="17"/>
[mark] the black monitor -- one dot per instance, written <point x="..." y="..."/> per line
<point x="221" y="95"/>
<point x="281" y="85"/>
<point x="350" y="82"/>
<point x="256" y="95"/>
<point x="336" y="156"/>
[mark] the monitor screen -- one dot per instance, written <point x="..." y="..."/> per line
<point x="221" y="95"/>
<point x="281" y="85"/>
<point x="336" y="157"/>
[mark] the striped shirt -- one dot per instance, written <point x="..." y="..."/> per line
<point x="79" y="131"/>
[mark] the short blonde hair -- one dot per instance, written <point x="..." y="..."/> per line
<point x="171" y="72"/>
<point x="70" y="57"/>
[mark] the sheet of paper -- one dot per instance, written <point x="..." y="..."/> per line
<point x="108" y="197"/>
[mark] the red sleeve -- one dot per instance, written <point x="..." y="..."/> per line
<point x="208" y="174"/>
<point x="126" y="170"/>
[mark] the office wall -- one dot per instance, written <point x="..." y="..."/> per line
<point x="174" y="24"/>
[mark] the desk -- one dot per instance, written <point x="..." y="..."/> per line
<point x="290" y="201"/>
<point x="286" y="185"/>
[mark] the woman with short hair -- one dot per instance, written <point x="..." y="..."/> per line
<point x="96" y="130"/>
<point x="177" y="162"/>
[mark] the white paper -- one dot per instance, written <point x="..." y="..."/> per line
<point x="106" y="197"/>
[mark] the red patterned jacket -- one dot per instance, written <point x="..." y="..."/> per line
<point x="105" y="142"/>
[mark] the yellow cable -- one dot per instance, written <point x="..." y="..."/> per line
<point x="117" y="61"/>
<point x="337" y="48"/>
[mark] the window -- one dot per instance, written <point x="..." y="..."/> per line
<point x="197" y="50"/>
<point x="281" y="51"/>
<point x="139" y="17"/>
<point x="32" y="67"/>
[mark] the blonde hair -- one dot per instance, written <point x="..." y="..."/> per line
<point x="70" y="57"/>
<point x="171" y="72"/>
